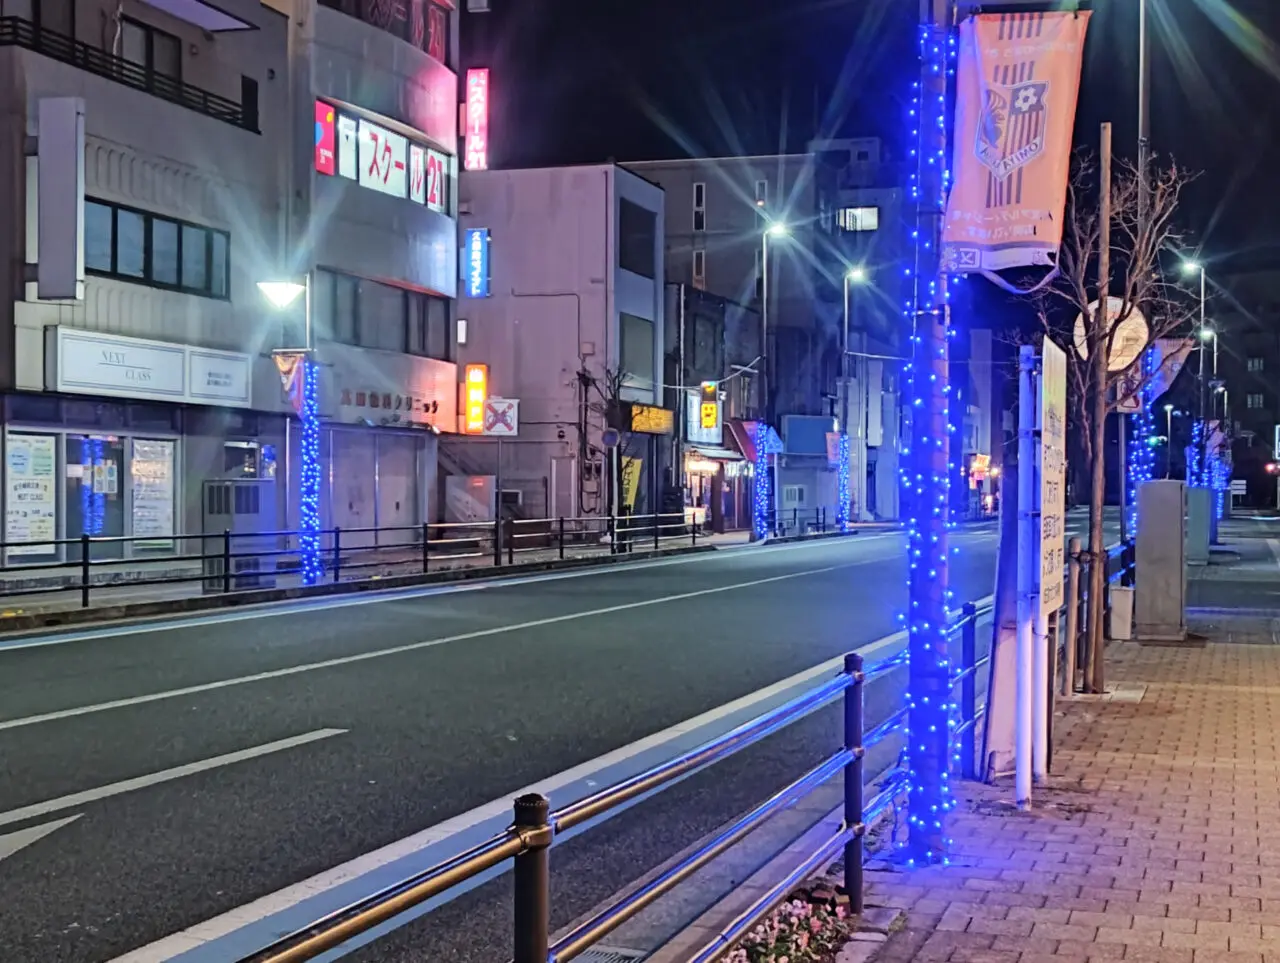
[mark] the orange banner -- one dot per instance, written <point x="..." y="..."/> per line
<point x="1019" y="79"/>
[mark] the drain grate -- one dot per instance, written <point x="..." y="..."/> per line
<point x="607" y="954"/>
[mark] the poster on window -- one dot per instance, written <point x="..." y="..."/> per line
<point x="31" y="502"/>
<point x="151" y="478"/>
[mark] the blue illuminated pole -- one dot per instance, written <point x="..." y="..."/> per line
<point x="927" y="471"/>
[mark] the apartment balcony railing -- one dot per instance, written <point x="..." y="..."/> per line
<point x="17" y="32"/>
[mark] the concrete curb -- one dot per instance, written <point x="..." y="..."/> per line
<point x="16" y="625"/>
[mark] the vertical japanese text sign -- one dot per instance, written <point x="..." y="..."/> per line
<point x="476" y="117"/>
<point x="1053" y="466"/>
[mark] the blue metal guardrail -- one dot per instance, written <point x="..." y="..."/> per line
<point x="536" y="826"/>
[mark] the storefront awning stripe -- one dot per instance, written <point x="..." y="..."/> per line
<point x="716" y="454"/>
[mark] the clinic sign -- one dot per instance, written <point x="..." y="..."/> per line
<point x="475" y="261"/>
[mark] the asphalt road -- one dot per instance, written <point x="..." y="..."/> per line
<point x="155" y="778"/>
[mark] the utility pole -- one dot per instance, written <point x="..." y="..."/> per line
<point x="928" y="470"/>
<point x="1099" y="349"/>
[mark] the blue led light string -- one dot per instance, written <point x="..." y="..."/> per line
<point x="1142" y="439"/>
<point x="843" y="493"/>
<point x="762" y="494"/>
<point x="927" y="466"/>
<point x="309" y="481"/>
<point x="1195" y="477"/>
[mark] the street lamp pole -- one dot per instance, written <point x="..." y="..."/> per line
<point x="776" y="229"/>
<point x="1168" y="441"/>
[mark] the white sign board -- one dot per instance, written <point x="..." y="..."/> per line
<point x="502" y="417"/>
<point x="384" y="157"/>
<point x="1053" y="482"/>
<point x="31" y="504"/>
<point x="694" y="432"/>
<point x="87" y="362"/>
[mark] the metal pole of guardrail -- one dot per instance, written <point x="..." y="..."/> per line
<point x="613" y="536"/>
<point x="226" y="560"/>
<point x="511" y="541"/>
<point x="1072" y="639"/>
<point x="337" y="552"/>
<point x="560" y="523"/>
<point x="533" y="880"/>
<point x="497" y="541"/>
<point x="969" y="689"/>
<point x="426" y="550"/>
<point x="853" y="777"/>
<point x="84" y="571"/>
<point x="657" y="529"/>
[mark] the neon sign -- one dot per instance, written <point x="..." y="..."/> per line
<point x="476" y="261"/>
<point x="476" y="129"/>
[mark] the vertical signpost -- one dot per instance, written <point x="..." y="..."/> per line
<point x="1052" y="419"/>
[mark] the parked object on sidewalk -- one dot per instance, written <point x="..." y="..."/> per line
<point x="1120" y="616"/>
<point x="1199" y="501"/>
<point x="1161" y="602"/>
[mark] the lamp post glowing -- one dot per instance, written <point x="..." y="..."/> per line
<point x="1202" y="471"/>
<point x="298" y="369"/>
<point x="854" y="275"/>
<point x="776" y="229"/>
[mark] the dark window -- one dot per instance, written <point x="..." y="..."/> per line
<point x="139" y="246"/>
<point x="370" y="314"/>
<point x="153" y="50"/>
<point x="55" y="15"/>
<point x="98" y="233"/>
<point x="131" y="244"/>
<point x="637" y="236"/>
<point x="164" y="250"/>
<point x="637" y="348"/>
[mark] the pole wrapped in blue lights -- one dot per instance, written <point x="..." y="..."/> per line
<point x="762" y="488"/>
<point x="309" y="557"/>
<point x="927" y="467"/>
<point x="843" y="490"/>
<point x="1142" y="437"/>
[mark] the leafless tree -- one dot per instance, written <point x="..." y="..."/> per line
<point x="1142" y="228"/>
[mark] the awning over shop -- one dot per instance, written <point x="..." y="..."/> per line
<point x="743" y="434"/>
<point x="715" y="454"/>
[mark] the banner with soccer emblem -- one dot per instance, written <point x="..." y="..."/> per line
<point x="1017" y="86"/>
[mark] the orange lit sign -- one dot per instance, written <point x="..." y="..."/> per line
<point x="476" y="393"/>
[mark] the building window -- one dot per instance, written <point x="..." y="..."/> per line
<point x="1254" y="400"/>
<point x="637" y="348"/>
<point x="58" y="16"/>
<point x="1254" y="364"/>
<point x="368" y="314"/>
<point x="858" y="219"/>
<point x="136" y="245"/>
<point x="637" y="239"/>
<point x="700" y="270"/>
<point x="153" y="50"/>
<point x="762" y="193"/>
<point x="699" y="206"/>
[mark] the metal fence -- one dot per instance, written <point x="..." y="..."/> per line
<point x="73" y="570"/>
<point x="535" y="826"/>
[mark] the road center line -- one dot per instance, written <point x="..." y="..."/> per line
<point x="165" y="775"/>
<point x="410" y="647"/>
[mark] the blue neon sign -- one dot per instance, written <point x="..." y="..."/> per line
<point x="475" y="254"/>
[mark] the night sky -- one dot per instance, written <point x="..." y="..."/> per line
<point x="578" y="81"/>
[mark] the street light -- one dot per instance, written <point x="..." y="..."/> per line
<point x="775" y="229"/>
<point x="281" y="294"/>
<point x="854" y="274"/>
<point x="1195" y="267"/>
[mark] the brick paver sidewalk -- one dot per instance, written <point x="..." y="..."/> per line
<point x="1158" y="838"/>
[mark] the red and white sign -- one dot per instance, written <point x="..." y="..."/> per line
<point x="384" y="160"/>
<point x="437" y="181"/>
<point x="502" y="417"/>
<point x="477" y="119"/>
<point x="417" y="173"/>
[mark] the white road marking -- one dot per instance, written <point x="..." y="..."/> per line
<point x="375" y="596"/>
<point x="229" y="922"/>
<point x="10" y="843"/>
<point x="165" y="775"/>
<point x="409" y="647"/>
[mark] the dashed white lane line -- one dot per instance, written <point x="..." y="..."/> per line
<point x="411" y="647"/>
<point x="77" y="799"/>
<point x="259" y="909"/>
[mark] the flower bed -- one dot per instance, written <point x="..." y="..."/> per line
<point x="811" y="927"/>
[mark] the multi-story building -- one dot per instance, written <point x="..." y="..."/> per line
<point x="563" y="302"/>
<point x="163" y="159"/>
<point x="807" y="229"/>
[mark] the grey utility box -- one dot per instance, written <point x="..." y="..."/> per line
<point x="1161" y="577"/>
<point x="1199" y="525"/>
<point x="246" y="508"/>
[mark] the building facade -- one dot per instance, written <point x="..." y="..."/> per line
<point x="165" y="158"/>
<point x="563" y="302"/>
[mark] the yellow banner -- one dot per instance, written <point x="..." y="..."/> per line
<point x="631" y="481"/>
<point x="1018" y="82"/>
